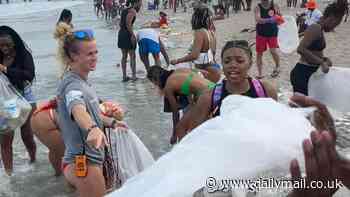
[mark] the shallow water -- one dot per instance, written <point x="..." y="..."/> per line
<point x="140" y="98"/>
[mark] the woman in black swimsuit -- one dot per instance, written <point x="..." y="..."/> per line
<point x="127" y="38"/>
<point x="312" y="45"/>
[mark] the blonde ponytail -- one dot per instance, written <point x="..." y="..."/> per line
<point x="62" y="33"/>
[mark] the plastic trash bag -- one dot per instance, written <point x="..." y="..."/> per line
<point x="332" y="89"/>
<point x="288" y="38"/>
<point x="250" y="136"/>
<point x="130" y="155"/>
<point x="14" y="109"/>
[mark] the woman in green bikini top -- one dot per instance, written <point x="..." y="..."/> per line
<point x="180" y="87"/>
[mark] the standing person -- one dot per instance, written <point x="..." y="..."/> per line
<point x="66" y="17"/>
<point x="237" y="59"/>
<point x="313" y="15"/>
<point x="310" y="16"/>
<point x="127" y="38"/>
<point x="149" y="42"/>
<point x="204" y="45"/>
<point x="266" y="34"/>
<point x="64" y="24"/>
<point x="312" y="46"/>
<point x="79" y="117"/>
<point x="249" y="5"/>
<point x="16" y="62"/>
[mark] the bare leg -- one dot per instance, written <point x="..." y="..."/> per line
<point x="145" y="61"/>
<point x="93" y="185"/>
<point x="45" y="130"/>
<point x="276" y="57"/>
<point x="133" y="63"/>
<point x="28" y="138"/>
<point x="6" y="152"/>
<point x="156" y="59"/>
<point x="259" y="63"/>
<point x="124" y="59"/>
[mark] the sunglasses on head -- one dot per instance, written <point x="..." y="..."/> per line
<point x="84" y="34"/>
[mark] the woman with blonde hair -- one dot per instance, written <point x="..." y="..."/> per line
<point x="79" y="117"/>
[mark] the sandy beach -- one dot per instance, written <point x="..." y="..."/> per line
<point x="140" y="99"/>
<point x="229" y="28"/>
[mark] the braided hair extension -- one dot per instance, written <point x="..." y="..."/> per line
<point x="242" y="44"/>
<point x="201" y="18"/>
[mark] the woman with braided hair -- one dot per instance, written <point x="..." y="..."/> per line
<point x="204" y="45"/>
<point x="313" y="44"/>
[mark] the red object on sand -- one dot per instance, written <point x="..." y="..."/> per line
<point x="279" y="19"/>
<point x="163" y="21"/>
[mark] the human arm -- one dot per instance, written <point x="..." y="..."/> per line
<point x="164" y="53"/>
<point x="322" y="162"/>
<point x="131" y="15"/>
<point x="198" y="114"/>
<point x="96" y="137"/>
<point x="311" y="33"/>
<point x="270" y="90"/>
<point x="196" y="49"/>
<point x="258" y="18"/>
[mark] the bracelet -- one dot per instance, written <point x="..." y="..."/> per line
<point x="92" y="127"/>
<point x="114" y="122"/>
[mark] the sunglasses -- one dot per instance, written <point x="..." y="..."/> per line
<point x="85" y="34"/>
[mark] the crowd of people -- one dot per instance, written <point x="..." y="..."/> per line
<point x="72" y="125"/>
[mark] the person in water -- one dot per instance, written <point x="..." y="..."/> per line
<point x="64" y="24"/>
<point x="180" y="87"/>
<point x="126" y="37"/>
<point x="44" y="124"/>
<point x="204" y="45"/>
<point x="236" y="57"/>
<point x="266" y="34"/>
<point x="16" y="62"/>
<point x="79" y="118"/>
<point x="312" y="46"/>
<point x="149" y="41"/>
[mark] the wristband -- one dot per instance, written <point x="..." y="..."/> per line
<point x="114" y="122"/>
<point x="92" y="127"/>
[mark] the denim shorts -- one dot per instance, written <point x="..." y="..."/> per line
<point x="28" y="94"/>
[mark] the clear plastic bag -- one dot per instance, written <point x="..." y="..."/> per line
<point x="332" y="88"/>
<point x="14" y="109"/>
<point x="288" y="38"/>
<point x="250" y="136"/>
<point x="130" y="155"/>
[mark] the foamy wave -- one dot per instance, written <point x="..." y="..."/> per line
<point x="24" y="8"/>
